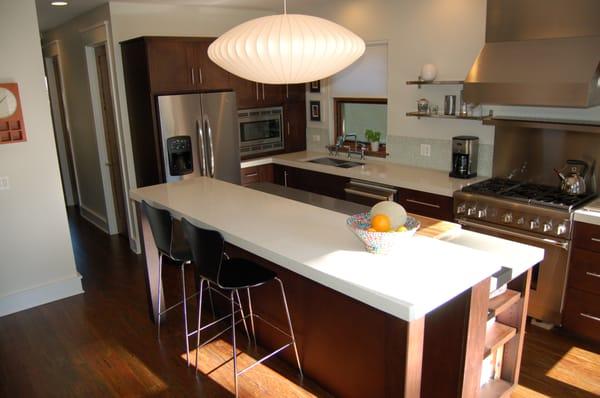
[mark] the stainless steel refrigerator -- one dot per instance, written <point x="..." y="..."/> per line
<point x="200" y="136"/>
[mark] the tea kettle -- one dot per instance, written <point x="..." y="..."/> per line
<point x="574" y="182"/>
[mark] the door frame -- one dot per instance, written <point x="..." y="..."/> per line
<point x="52" y="52"/>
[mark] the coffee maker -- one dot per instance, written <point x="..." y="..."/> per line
<point x="464" y="156"/>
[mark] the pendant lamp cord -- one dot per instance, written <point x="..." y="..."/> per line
<point x="285" y="6"/>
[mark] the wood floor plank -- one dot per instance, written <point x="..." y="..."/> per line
<point x="102" y="344"/>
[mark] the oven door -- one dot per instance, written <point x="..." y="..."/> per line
<point x="548" y="277"/>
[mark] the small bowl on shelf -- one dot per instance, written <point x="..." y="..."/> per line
<point x="380" y="242"/>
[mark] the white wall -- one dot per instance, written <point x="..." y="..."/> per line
<point x="72" y="38"/>
<point x="447" y="33"/>
<point x="130" y="20"/>
<point x="36" y="256"/>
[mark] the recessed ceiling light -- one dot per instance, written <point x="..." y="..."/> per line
<point x="59" y="3"/>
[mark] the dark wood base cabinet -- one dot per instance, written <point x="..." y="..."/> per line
<point x="421" y="203"/>
<point x="178" y="65"/>
<point x="581" y="314"/>
<point x="263" y="173"/>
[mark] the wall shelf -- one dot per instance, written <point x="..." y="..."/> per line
<point x="420" y="83"/>
<point x="429" y="115"/>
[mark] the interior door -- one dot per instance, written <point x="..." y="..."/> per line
<point x="220" y="124"/>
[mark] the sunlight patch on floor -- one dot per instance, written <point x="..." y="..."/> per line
<point x="584" y="375"/>
<point x="215" y="362"/>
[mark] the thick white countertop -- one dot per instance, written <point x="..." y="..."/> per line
<point x="589" y="213"/>
<point x="379" y="171"/>
<point x="317" y="244"/>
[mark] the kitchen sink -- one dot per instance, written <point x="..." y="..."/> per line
<point x="342" y="163"/>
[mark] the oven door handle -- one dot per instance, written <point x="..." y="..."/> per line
<point x="547" y="241"/>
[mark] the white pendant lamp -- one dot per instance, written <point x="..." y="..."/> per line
<point x="286" y="48"/>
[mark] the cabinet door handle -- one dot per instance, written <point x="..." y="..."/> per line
<point x="597" y="240"/>
<point x="256" y="91"/>
<point x="251" y="175"/>
<point x="200" y="74"/>
<point x="418" y="202"/>
<point x="193" y="77"/>
<point x="592" y="274"/>
<point x="287" y="91"/>
<point x="263" y="90"/>
<point x="288" y="131"/>
<point x="285" y="173"/>
<point x="593" y="318"/>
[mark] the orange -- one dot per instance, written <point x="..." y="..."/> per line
<point x="381" y="223"/>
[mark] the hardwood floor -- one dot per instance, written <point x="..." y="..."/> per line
<point x="102" y="343"/>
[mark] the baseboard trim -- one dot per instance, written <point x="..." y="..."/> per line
<point x="93" y="217"/>
<point x="38" y="295"/>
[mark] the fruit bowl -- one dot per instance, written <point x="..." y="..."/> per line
<point x="380" y="242"/>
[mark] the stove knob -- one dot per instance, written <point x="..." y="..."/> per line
<point x="461" y="208"/>
<point x="471" y="211"/>
<point x="547" y="227"/>
<point x="521" y="221"/>
<point x="507" y="218"/>
<point x="481" y="213"/>
<point x="534" y="224"/>
<point x="561" y="229"/>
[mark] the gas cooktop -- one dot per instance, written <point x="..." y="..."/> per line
<point x="530" y="193"/>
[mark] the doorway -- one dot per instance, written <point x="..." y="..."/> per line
<point x="110" y="136"/>
<point x="62" y="137"/>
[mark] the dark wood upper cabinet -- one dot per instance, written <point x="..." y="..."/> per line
<point x="295" y="126"/>
<point x="168" y="64"/>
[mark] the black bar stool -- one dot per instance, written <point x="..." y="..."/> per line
<point x="214" y="266"/>
<point x="161" y="224"/>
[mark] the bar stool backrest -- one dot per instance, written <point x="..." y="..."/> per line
<point x="161" y="226"/>
<point x="207" y="250"/>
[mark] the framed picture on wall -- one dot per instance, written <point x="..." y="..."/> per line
<point x="315" y="111"/>
<point x="315" y="87"/>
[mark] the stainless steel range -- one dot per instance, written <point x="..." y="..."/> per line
<point x="538" y="215"/>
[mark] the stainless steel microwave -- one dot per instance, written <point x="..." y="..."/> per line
<point x="261" y="130"/>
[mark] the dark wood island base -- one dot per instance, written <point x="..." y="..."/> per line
<point x="354" y="350"/>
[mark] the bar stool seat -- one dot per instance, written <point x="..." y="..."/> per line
<point x="238" y="273"/>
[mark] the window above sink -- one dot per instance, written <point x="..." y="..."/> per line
<point x="356" y="117"/>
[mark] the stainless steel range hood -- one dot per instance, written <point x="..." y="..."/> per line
<point x="538" y="54"/>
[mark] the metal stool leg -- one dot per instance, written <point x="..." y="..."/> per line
<point x="287" y="312"/>
<point x="185" y="319"/>
<point x="160" y="258"/>
<point x="210" y="298"/>
<point x="251" y="315"/>
<point x="235" y="373"/>
<point x="243" y="316"/>
<point x="199" y="321"/>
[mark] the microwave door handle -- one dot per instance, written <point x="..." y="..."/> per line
<point x="202" y="152"/>
<point x="210" y="146"/>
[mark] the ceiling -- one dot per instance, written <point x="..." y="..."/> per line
<point x="50" y="16"/>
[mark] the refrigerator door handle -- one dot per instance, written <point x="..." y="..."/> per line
<point x="210" y="146"/>
<point x="202" y="149"/>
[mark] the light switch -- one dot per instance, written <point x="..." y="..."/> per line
<point x="4" y="184"/>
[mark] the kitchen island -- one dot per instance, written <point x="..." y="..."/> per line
<point x="408" y="324"/>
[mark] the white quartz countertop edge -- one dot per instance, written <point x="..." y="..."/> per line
<point x="316" y="244"/>
<point x="375" y="170"/>
<point x="587" y="216"/>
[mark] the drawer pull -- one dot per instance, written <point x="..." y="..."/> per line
<point x="251" y="175"/>
<point x="418" y="202"/>
<point x="588" y="273"/>
<point x="597" y="240"/>
<point x="593" y="318"/>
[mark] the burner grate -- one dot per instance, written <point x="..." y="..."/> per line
<point x="535" y="194"/>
